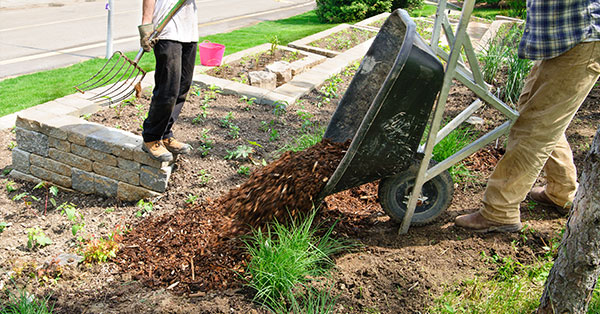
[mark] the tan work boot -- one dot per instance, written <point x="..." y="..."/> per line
<point x="538" y="194"/>
<point x="476" y="222"/>
<point x="176" y="147"/>
<point x="157" y="150"/>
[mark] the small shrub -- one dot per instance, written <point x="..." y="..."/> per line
<point x="340" y="11"/>
<point x="408" y="5"/>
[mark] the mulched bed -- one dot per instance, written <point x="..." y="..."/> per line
<point x="199" y="249"/>
<point x="343" y="40"/>
<point x="238" y="70"/>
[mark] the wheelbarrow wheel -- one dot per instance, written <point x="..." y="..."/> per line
<point x="436" y="196"/>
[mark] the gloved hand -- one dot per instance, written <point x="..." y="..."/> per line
<point x="145" y="32"/>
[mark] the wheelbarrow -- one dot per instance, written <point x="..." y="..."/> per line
<point x="385" y="111"/>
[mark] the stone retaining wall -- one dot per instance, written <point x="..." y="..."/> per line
<point x="87" y="157"/>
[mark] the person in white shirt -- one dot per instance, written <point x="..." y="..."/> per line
<point x="175" y="52"/>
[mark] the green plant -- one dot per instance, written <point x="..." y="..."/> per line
<point x="226" y="121"/>
<point x="76" y="217"/>
<point x="10" y="186"/>
<point x="26" y="303"/>
<point x="451" y="144"/>
<point x="283" y="258"/>
<point x="303" y="141"/>
<point x="274" y="43"/>
<point x="206" y="144"/>
<point x="204" y="177"/>
<point x="145" y="208"/>
<point x="244" y="170"/>
<point x="101" y="249"/>
<point x="248" y="101"/>
<point x="234" y="131"/>
<point x="3" y="226"/>
<point x="517" y="71"/>
<point x="12" y="145"/>
<point x="280" y="108"/>
<point x="50" y="190"/>
<point x="340" y="11"/>
<point x="310" y="301"/>
<point x="191" y="199"/>
<point x="240" y="152"/>
<point x="37" y="238"/>
<point x="274" y="135"/>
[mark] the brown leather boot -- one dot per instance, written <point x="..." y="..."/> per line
<point x="176" y="147"/>
<point x="476" y="222"/>
<point x="538" y="194"/>
<point x="157" y="150"/>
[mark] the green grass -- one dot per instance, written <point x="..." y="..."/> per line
<point x="451" y="144"/>
<point x="304" y="141"/>
<point x="25" y="303"/>
<point x="284" y="259"/>
<point x="32" y="89"/>
<point x="425" y="11"/>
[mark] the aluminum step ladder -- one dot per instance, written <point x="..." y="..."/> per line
<point x="472" y="78"/>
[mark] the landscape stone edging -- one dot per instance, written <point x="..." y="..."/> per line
<point x="367" y="21"/>
<point x="290" y="92"/>
<point x="303" y="43"/>
<point x="87" y="157"/>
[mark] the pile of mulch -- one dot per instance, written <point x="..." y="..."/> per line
<point x="284" y="188"/>
<point x="199" y="248"/>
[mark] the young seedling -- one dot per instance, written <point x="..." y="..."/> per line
<point x="76" y="217"/>
<point x="12" y="145"/>
<point x="280" y="108"/>
<point x="36" y="238"/>
<point x="244" y="170"/>
<point x="241" y="152"/>
<point x="305" y="118"/>
<point x="50" y="190"/>
<point x="27" y="200"/>
<point x="191" y="199"/>
<point x="145" y="208"/>
<point x="234" y="131"/>
<point x="274" y="43"/>
<point x="206" y="143"/>
<point x="204" y="177"/>
<point x="101" y="249"/>
<point x="10" y="186"/>
<point x="249" y="102"/>
<point x="274" y="135"/>
<point x="226" y="122"/>
<point x="3" y="225"/>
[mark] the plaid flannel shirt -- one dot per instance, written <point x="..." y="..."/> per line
<point x="555" y="26"/>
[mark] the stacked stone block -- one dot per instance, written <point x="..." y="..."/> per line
<point x="87" y="157"/>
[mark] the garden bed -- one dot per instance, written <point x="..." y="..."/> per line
<point x="334" y="41"/>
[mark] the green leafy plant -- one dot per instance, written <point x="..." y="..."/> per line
<point x="191" y="199"/>
<point x="206" y="144"/>
<point x="36" y="238"/>
<point x="234" y="131"/>
<point x="341" y="11"/>
<point x="274" y="43"/>
<point x="12" y="145"/>
<point x="280" y="108"/>
<point x="3" y="225"/>
<point x="226" y="121"/>
<point x="274" y="135"/>
<point x="76" y="217"/>
<point x="10" y="186"/>
<point x="244" y="170"/>
<point x="51" y="190"/>
<point x="248" y="101"/>
<point x="101" y="249"/>
<point x="145" y="208"/>
<point x="241" y="152"/>
<point x="204" y="177"/>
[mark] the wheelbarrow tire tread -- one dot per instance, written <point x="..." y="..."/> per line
<point x="440" y="189"/>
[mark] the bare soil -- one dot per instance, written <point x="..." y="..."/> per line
<point x="389" y="273"/>
<point x="344" y="39"/>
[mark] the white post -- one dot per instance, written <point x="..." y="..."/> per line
<point x="109" y="37"/>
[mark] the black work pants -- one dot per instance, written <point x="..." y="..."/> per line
<point x="173" y="78"/>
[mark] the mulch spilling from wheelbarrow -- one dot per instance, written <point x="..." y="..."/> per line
<point x="199" y="248"/>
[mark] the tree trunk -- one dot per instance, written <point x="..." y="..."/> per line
<point x="571" y="282"/>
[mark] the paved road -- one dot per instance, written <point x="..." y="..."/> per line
<point x="44" y="34"/>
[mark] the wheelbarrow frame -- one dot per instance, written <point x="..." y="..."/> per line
<point x="472" y="78"/>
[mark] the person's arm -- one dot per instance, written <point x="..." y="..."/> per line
<point x="146" y="28"/>
<point x="147" y="11"/>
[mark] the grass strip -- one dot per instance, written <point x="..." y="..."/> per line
<point x="32" y="89"/>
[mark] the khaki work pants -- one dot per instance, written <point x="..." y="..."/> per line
<point x="553" y="92"/>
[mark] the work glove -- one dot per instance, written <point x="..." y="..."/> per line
<point x="145" y="32"/>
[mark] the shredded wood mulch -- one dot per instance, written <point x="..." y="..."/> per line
<point x="199" y="248"/>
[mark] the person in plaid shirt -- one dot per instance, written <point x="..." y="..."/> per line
<point x="563" y="37"/>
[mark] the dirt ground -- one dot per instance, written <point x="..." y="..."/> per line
<point x="388" y="273"/>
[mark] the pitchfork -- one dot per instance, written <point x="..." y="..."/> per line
<point x="120" y="76"/>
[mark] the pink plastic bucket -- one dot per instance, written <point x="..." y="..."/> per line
<point x="211" y="54"/>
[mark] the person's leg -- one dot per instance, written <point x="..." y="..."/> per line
<point x="561" y="175"/>
<point x="167" y="78"/>
<point x="553" y="92"/>
<point x="188" y="60"/>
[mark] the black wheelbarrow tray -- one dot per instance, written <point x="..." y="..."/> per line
<point x="385" y="111"/>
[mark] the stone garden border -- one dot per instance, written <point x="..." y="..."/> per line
<point x="366" y="22"/>
<point x="304" y="43"/>
<point x="290" y="92"/>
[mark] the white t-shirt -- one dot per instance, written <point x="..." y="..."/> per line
<point x="183" y="27"/>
